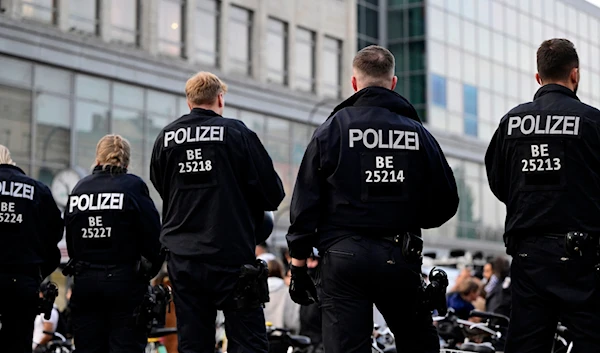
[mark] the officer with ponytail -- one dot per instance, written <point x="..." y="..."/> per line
<point x="111" y="226"/>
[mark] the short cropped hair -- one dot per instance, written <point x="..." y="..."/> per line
<point x="204" y="88"/>
<point x="556" y="58"/>
<point x="375" y="62"/>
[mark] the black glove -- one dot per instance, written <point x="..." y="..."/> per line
<point x="302" y="287"/>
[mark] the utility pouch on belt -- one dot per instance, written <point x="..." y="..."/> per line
<point x="412" y="247"/>
<point x="576" y="242"/>
<point x="252" y="289"/>
<point x="73" y="268"/>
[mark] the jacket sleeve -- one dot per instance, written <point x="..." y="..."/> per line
<point x="52" y="232"/>
<point x="156" y="167"/>
<point x="149" y="229"/>
<point x="305" y="206"/>
<point x="263" y="184"/>
<point x="441" y="202"/>
<point x="494" y="165"/>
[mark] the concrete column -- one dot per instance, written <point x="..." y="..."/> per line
<point x="291" y="47"/>
<point x="149" y="26"/>
<point x="10" y="8"/>
<point x="63" y="15"/>
<point x="223" y="35"/>
<point x="189" y="34"/>
<point x="319" y="69"/>
<point x="104" y="18"/>
<point x="259" y="51"/>
<point x="349" y="47"/>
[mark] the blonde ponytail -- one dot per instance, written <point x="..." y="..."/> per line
<point x="114" y="151"/>
<point x="5" y="156"/>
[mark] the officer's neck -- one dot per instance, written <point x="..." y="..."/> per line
<point x="566" y="84"/>
<point x="213" y="107"/>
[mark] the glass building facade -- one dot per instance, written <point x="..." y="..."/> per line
<point x="465" y="63"/>
<point x="72" y="71"/>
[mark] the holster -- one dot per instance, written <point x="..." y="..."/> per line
<point x="73" y="268"/>
<point x="412" y="247"/>
<point x="252" y="289"/>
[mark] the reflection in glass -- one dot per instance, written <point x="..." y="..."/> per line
<point x="52" y="80"/>
<point x="332" y="57"/>
<point x="15" y="122"/>
<point x="84" y="16"/>
<point x="15" y="71"/>
<point x="469" y="31"/>
<point x="277" y="58"/>
<point x="438" y="90"/>
<point x="239" y="43"/>
<point x="53" y="144"/>
<point x="40" y="10"/>
<point x="128" y="96"/>
<point x="437" y="63"/>
<point x="92" y="88"/>
<point x="207" y="31"/>
<point x="435" y="24"/>
<point x="453" y="30"/>
<point x="162" y="103"/>
<point x="130" y="124"/>
<point x="124" y="20"/>
<point x="254" y="121"/>
<point x="305" y="60"/>
<point x="170" y="27"/>
<point x="91" y="124"/>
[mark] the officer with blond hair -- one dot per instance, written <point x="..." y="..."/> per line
<point x="31" y="227"/>
<point x="111" y="223"/>
<point x="216" y="180"/>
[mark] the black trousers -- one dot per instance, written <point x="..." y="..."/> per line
<point x="548" y="286"/>
<point x="102" y="306"/>
<point x="18" y="309"/>
<point x="199" y="290"/>
<point x="358" y="272"/>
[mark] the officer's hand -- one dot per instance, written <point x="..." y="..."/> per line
<point x="302" y="287"/>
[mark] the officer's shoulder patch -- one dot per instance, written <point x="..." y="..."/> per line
<point x="506" y="283"/>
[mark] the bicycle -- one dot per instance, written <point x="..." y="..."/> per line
<point x="58" y="344"/>
<point x="154" y="339"/>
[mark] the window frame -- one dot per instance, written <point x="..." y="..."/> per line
<point x="217" y="13"/>
<point x="250" y="25"/>
<point x="79" y="19"/>
<point x="136" y="32"/>
<point x="284" y="36"/>
<point x="340" y="52"/>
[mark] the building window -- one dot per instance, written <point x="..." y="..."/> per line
<point x="438" y="90"/>
<point x="277" y="58"/>
<point x="240" y="40"/>
<point x="368" y="23"/>
<point x="124" y="20"/>
<point x="84" y="16"/>
<point x="305" y="60"/>
<point x="207" y="31"/>
<point x="171" y="27"/>
<point x="470" y="109"/>
<point x="332" y="67"/>
<point x="40" y="10"/>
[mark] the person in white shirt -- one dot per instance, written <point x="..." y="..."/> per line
<point x="42" y="325"/>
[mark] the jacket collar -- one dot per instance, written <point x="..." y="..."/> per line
<point x="12" y="167"/>
<point x="553" y="87"/>
<point x="109" y="169"/>
<point x="203" y="112"/>
<point x="380" y="97"/>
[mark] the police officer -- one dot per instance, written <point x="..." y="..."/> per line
<point x="543" y="164"/>
<point x="371" y="178"/>
<point x="216" y="180"/>
<point x="31" y="227"/>
<point x="112" y="226"/>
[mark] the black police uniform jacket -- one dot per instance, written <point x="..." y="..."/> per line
<point x="543" y="162"/>
<point x="216" y="180"/>
<point x="110" y="219"/>
<point x="30" y="223"/>
<point x="371" y="167"/>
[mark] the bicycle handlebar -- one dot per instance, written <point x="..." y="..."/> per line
<point x="489" y="315"/>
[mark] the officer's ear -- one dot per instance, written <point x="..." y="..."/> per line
<point x="538" y="79"/>
<point x="575" y="76"/>
<point x="221" y="100"/>
<point x="394" y="82"/>
<point x="354" y="84"/>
